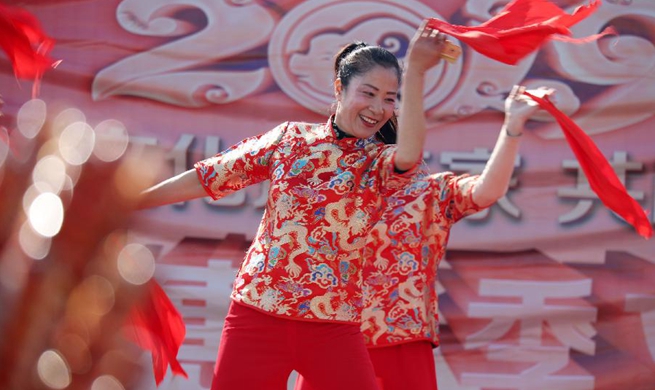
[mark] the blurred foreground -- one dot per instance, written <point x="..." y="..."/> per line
<point x="68" y="275"/>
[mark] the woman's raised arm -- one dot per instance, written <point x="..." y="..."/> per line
<point x="423" y="53"/>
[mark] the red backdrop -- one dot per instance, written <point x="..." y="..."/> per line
<point x="545" y="290"/>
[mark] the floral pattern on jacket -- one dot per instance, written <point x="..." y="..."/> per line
<point x="402" y="254"/>
<point x="325" y="195"/>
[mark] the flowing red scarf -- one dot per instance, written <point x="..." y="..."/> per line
<point x="519" y="29"/>
<point x="26" y="44"/>
<point x="602" y="178"/>
<point x="155" y="325"/>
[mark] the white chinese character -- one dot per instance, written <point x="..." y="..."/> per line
<point x="474" y="164"/>
<point x="570" y="324"/>
<point x="582" y="191"/>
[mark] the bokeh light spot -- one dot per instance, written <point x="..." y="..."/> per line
<point x="107" y="382"/>
<point x="31" y="117"/>
<point x="49" y="174"/>
<point x="112" y="140"/>
<point x="98" y="295"/>
<point x="67" y="117"/>
<point x="136" y="264"/>
<point x="34" y="245"/>
<point x="46" y="214"/>
<point x="53" y="370"/>
<point x="76" y="143"/>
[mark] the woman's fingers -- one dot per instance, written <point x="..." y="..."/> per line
<point x="432" y="45"/>
<point x="514" y="92"/>
<point x="447" y="50"/>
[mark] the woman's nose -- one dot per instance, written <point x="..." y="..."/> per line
<point x="376" y="106"/>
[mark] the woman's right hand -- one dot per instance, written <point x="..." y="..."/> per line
<point x="423" y="53"/>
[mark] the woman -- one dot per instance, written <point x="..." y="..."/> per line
<point x="296" y="302"/>
<point x="403" y="251"/>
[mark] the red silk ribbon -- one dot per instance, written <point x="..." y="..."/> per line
<point x="26" y="44"/>
<point x="519" y="29"/>
<point x="600" y="174"/>
<point x="155" y="325"/>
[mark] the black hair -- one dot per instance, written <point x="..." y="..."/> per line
<point x="358" y="58"/>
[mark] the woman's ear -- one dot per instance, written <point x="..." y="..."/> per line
<point x="338" y="87"/>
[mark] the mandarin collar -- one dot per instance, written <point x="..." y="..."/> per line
<point x="340" y="137"/>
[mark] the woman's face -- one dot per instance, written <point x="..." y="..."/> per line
<point x="367" y="103"/>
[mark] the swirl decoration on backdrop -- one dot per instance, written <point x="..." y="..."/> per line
<point x="182" y="72"/>
<point x="213" y="53"/>
<point x="301" y="50"/>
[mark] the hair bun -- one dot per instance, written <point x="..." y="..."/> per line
<point x="343" y="53"/>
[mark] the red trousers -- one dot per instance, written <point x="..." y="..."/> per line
<point x="398" y="367"/>
<point x="258" y="351"/>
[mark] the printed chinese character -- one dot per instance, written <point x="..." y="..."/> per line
<point x="474" y="163"/>
<point x="582" y="191"/>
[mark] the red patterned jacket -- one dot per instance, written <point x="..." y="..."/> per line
<point x="402" y="255"/>
<point x="325" y="194"/>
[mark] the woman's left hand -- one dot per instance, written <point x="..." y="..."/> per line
<point x="519" y="106"/>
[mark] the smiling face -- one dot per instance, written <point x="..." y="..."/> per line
<point x="367" y="102"/>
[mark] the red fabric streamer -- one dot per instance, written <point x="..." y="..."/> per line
<point x="156" y="325"/>
<point x="516" y="31"/>
<point x="26" y="44"/>
<point x="600" y="174"/>
<point x="519" y="29"/>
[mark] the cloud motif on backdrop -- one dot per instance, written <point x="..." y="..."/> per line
<point x="219" y="52"/>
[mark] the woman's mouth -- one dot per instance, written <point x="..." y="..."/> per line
<point x="368" y="121"/>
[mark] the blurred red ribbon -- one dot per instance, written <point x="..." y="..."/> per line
<point x="600" y="174"/>
<point x="26" y="44"/>
<point x="155" y="325"/>
<point x="519" y="29"/>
